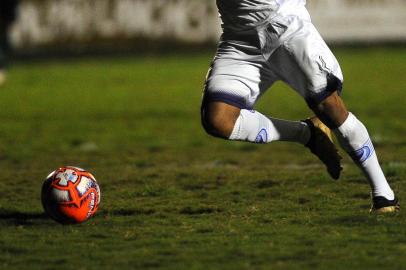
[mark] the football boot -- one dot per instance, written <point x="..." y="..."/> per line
<point x="381" y="205"/>
<point x="321" y="145"/>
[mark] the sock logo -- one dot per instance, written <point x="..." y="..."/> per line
<point x="364" y="152"/>
<point x="262" y="136"/>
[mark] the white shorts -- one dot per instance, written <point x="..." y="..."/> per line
<point x="289" y="48"/>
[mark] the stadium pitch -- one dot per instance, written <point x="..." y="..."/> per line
<point x="174" y="198"/>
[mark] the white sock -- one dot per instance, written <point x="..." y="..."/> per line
<point x="253" y="126"/>
<point x="354" y="139"/>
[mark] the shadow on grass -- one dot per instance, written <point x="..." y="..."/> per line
<point x="128" y="212"/>
<point x="354" y="221"/>
<point x="199" y="210"/>
<point x="15" y="217"/>
<point x="267" y="183"/>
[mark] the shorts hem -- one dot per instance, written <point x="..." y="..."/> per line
<point x="333" y="84"/>
<point x="227" y="98"/>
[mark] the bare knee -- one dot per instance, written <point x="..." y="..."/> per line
<point x="218" y="118"/>
<point x="332" y="111"/>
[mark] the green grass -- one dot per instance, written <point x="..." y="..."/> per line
<point x="174" y="198"/>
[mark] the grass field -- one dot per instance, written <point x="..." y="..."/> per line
<point x="174" y="198"/>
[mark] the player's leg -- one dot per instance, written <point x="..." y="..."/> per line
<point x="319" y="81"/>
<point x="218" y="118"/>
<point x="226" y="121"/>
<point x="355" y="140"/>
<point x="231" y="122"/>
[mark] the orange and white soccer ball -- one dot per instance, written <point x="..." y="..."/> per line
<point x="70" y="195"/>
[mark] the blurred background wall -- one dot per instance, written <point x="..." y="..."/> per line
<point x="94" y="23"/>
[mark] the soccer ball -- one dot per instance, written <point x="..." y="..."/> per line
<point x="70" y="195"/>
